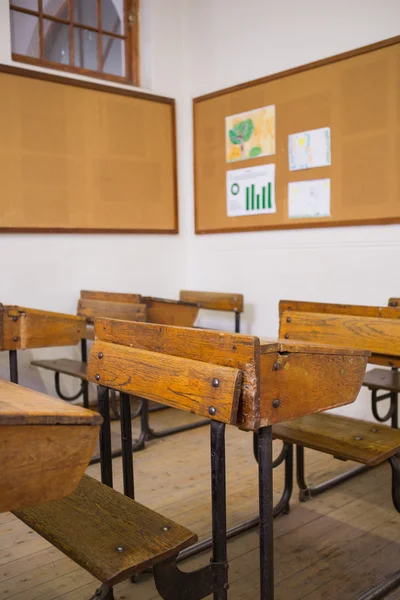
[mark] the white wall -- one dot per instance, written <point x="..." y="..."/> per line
<point x="229" y="42"/>
<point x="47" y="271"/>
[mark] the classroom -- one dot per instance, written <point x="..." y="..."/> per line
<point x="199" y="318"/>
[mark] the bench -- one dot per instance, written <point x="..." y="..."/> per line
<point x="110" y="534"/>
<point x="343" y="437"/>
<point x="372" y="378"/>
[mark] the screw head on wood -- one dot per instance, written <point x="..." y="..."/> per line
<point x="100" y="355"/>
<point x="288" y="319"/>
<point x="212" y="410"/>
<point x="15" y="318"/>
<point x="358" y="438"/>
<point x="97" y="377"/>
<point x="15" y="338"/>
<point x="120" y="549"/>
<point x="166" y="528"/>
<point x="215" y="382"/>
<point x="286" y="336"/>
<point x="277" y="366"/>
<point x="276" y="403"/>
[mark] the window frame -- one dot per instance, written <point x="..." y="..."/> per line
<point x="131" y="38"/>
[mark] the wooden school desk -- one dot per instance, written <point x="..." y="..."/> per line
<point x="271" y="381"/>
<point x="45" y="446"/>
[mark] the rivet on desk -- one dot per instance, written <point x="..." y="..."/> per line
<point x="15" y="318"/>
<point x="288" y="319"/>
<point x="15" y="338"/>
<point x="276" y="403"/>
<point x="100" y="355"/>
<point x="215" y="382"/>
<point x="286" y="336"/>
<point x="97" y="377"/>
<point x="212" y="410"/>
<point x="277" y="366"/>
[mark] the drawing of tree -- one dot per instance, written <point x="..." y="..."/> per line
<point x="241" y="133"/>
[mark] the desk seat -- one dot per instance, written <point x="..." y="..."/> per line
<point x="107" y="533"/>
<point x="343" y="437"/>
<point x="382" y="379"/>
<point x="67" y="366"/>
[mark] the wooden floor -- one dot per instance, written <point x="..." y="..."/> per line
<point x="333" y="547"/>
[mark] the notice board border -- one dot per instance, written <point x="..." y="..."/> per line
<point x="112" y="89"/>
<point x="262" y="80"/>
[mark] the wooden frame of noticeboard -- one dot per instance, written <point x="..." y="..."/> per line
<point x="83" y="157"/>
<point x="357" y="95"/>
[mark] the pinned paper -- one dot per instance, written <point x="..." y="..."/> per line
<point x="310" y="199"/>
<point x="250" y="134"/>
<point x="310" y="149"/>
<point x="250" y="191"/>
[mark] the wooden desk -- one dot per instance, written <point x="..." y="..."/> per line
<point x="45" y="446"/>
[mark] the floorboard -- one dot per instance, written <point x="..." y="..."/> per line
<point x="332" y="547"/>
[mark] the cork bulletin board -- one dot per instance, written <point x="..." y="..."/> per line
<point x="83" y="157"/>
<point x="356" y="95"/>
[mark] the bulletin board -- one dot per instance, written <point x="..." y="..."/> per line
<point x="356" y="95"/>
<point x="83" y="157"/>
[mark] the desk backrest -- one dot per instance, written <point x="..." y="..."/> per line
<point x="377" y="334"/>
<point x="170" y="312"/>
<point x="113" y="305"/>
<point x="24" y="328"/>
<point x="214" y="300"/>
<point x="354" y="310"/>
<point x="190" y="369"/>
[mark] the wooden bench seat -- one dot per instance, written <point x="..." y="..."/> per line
<point x="382" y="379"/>
<point x="66" y="366"/>
<point x="107" y="533"/>
<point x="342" y="437"/>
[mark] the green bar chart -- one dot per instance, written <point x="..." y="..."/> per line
<point x="261" y="200"/>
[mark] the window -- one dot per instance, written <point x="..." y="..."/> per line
<point x="92" y="37"/>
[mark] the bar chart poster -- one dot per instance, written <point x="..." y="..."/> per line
<point x="250" y="191"/>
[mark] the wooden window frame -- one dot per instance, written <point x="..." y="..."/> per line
<point x="130" y="37"/>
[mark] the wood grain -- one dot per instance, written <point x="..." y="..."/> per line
<point x="90" y="309"/>
<point x="68" y="366"/>
<point x="25" y="328"/>
<point x="110" y="296"/>
<point x="339" y="309"/>
<point x="170" y="312"/>
<point x="42" y="462"/>
<point x="381" y="336"/>
<point x="343" y="437"/>
<point x="214" y="300"/>
<point x="90" y="524"/>
<point x="303" y="383"/>
<point x="178" y="382"/>
<point x="22" y="406"/>
<point x="220" y="348"/>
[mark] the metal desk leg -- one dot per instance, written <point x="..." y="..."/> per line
<point x="105" y="436"/>
<point x="266" y="513"/>
<point x="126" y="440"/>
<point x="13" y="366"/>
<point x="218" y="496"/>
<point x="237" y="322"/>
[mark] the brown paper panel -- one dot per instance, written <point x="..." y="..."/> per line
<point x="84" y="157"/>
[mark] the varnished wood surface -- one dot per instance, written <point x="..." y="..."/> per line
<point x="331" y="548"/>
<point x="382" y="379"/>
<point x="42" y="462"/>
<point x="110" y="296"/>
<point x="90" y="524"/>
<point x="301" y="383"/>
<point x="381" y="336"/>
<point x="22" y="406"/>
<point x="68" y="366"/>
<point x="170" y="312"/>
<point x="343" y="437"/>
<point x="91" y="308"/>
<point x="220" y="348"/>
<point x="214" y="300"/>
<point x="298" y="347"/>
<point x="355" y="310"/>
<point x="182" y="383"/>
<point x="24" y="328"/>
